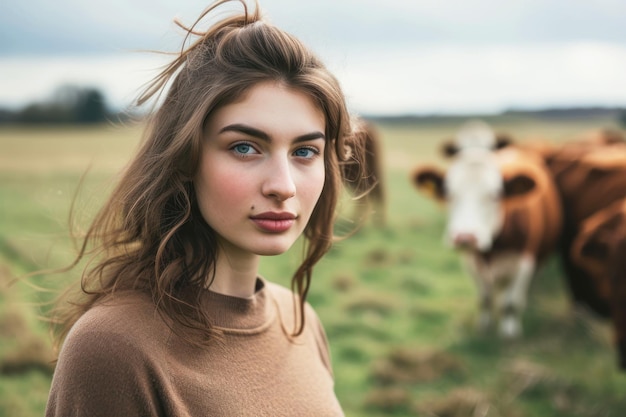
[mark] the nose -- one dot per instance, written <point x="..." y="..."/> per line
<point x="465" y="241"/>
<point x="279" y="182"/>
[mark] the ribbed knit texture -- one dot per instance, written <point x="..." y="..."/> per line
<point x="121" y="359"/>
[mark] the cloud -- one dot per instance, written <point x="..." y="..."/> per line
<point x="74" y="26"/>
<point x="483" y="78"/>
<point x="120" y="77"/>
<point x="391" y="56"/>
<point x="424" y="79"/>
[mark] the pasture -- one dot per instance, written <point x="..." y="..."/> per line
<point x="397" y="307"/>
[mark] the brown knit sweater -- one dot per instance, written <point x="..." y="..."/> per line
<point x="121" y="359"/>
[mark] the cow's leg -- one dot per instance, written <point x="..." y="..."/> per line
<point x="514" y="301"/>
<point x="484" y="287"/>
<point x="485" y="305"/>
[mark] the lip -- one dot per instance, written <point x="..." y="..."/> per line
<point x="274" y="222"/>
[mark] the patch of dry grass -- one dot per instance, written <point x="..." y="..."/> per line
<point x="40" y="150"/>
<point x="406" y="366"/>
<point x="464" y="402"/>
<point x="23" y="349"/>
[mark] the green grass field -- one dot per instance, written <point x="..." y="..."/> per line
<point x="397" y="307"/>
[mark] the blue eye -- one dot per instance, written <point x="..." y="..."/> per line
<point x="243" y="148"/>
<point x="305" y="152"/>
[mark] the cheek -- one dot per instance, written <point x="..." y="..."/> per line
<point x="220" y="191"/>
<point x="311" y="186"/>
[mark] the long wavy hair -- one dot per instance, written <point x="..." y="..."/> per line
<point x="150" y="236"/>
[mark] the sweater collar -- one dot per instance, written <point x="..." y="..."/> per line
<point x="241" y="315"/>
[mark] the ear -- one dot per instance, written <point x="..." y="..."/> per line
<point x="518" y="185"/>
<point x="502" y="141"/>
<point x="430" y="181"/>
<point x="449" y="148"/>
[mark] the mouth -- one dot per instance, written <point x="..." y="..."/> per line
<point x="273" y="222"/>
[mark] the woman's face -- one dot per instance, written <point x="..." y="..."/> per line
<point x="262" y="169"/>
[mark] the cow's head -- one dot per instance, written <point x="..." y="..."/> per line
<point x="474" y="190"/>
<point x="474" y="134"/>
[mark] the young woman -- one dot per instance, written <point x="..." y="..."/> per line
<point x="242" y="157"/>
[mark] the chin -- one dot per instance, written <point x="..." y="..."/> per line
<point x="270" y="248"/>
<point x="273" y="250"/>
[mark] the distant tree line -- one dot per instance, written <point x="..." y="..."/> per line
<point x="69" y="105"/>
<point x="616" y="113"/>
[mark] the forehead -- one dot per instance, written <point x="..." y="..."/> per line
<point x="474" y="172"/>
<point x="475" y="134"/>
<point x="270" y="103"/>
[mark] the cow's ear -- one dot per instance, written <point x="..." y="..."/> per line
<point x="449" y="148"/>
<point x="518" y="185"/>
<point x="503" y="141"/>
<point x="430" y="181"/>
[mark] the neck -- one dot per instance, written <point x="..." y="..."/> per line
<point x="235" y="275"/>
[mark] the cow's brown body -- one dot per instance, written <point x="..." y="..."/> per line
<point x="590" y="176"/>
<point x="599" y="249"/>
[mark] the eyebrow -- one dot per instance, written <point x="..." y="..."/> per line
<point x="259" y="134"/>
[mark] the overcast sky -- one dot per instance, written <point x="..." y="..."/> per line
<point x="391" y="56"/>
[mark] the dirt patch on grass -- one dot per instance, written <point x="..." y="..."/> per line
<point x="31" y="354"/>
<point x="380" y="305"/>
<point x="464" y="402"/>
<point x="344" y="282"/>
<point x="23" y="349"/>
<point x="403" y="365"/>
<point x="378" y="257"/>
<point x="526" y="379"/>
<point x="12" y="324"/>
<point x="390" y="400"/>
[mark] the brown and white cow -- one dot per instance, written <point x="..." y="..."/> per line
<point x="599" y="248"/>
<point x="590" y="176"/>
<point x="504" y="215"/>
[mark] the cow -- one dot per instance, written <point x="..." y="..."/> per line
<point x="368" y="191"/>
<point x="504" y="216"/>
<point x="599" y="249"/>
<point x="590" y="175"/>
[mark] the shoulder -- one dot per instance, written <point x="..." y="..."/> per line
<point x="110" y="356"/>
<point x="116" y="329"/>
<point x="128" y="314"/>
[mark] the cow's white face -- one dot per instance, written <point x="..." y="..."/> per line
<point x="474" y="187"/>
